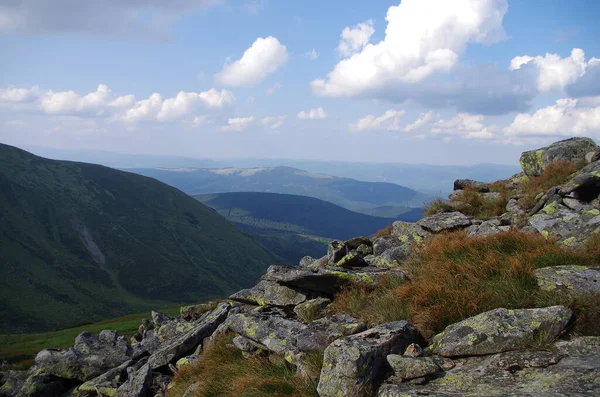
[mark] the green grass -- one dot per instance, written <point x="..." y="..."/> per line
<point x="83" y="243"/>
<point x="20" y="349"/>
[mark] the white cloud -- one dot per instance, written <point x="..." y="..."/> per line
<point x="553" y="72"/>
<point x="464" y="125"/>
<point x="273" y="122"/>
<point x="238" y="124"/>
<point x="262" y="59"/>
<point x="103" y="103"/>
<point x="423" y="38"/>
<point x="421" y="121"/>
<point x="390" y="120"/>
<point x="270" y="91"/>
<point x="355" y="39"/>
<point x="312" y="54"/>
<point x="567" y="117"/>
<point x="313" y="114"/>
<point x="98" y="17"/>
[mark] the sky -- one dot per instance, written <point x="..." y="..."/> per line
<point x="411" y="81"/>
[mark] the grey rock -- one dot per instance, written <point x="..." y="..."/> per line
<point x="499" y="330"/>
<point x="487" y="228"/>
<point x="358" y="361"/>
<point x="444" y="221"/>
<point x="585" y="184"/>
<point x="352" y="259"/>
<point x="570" y="369"/>
<point x="409" y="233"/>
<point x="108" y="382"/>
<point x="574" y="150"/>
<point x="11" y="382"/>
<point x="137" y="385"/>
<point x="461" y="184"/>
<point x="592" y="157"/>
<point x="187" y="342"/>
<point x="406" y="368"/>
<point x="306" y="261"/>
<point x="269" y="293"/>
<point x="40" y="384"/>
<point x="320" y="333"/>
<point x="244" y="344"/>
<point x="570" y="279"/>
<point x="90" y="357"/>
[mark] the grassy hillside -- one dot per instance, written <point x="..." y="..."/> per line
<point x="348" y="193"/>
<point x="292" y="226"/>
<point x="82" y="243"/>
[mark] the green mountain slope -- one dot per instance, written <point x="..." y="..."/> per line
<point x="348" y="193"/>
<point x="292" y="226"/>
<point x="82" y="242"/>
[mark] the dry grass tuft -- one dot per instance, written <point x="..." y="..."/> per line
<point x="386" y="231"/>
<point x="222" y="370"/>
<point x="436" y="206"/>
<point x="555" y="173"/>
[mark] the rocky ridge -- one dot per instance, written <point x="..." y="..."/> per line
<point x="286" y="313"/>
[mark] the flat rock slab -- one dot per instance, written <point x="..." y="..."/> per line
<point x="571" y="279"/>
<point x="359" y="361"/>
<point x="573" y="150"/>
<point x="269" y="293"/>
<point x="406" y="367"/>
<point x="499" y="330"/>
<point x="571" y="369"/>
<point x="444" y="221"/>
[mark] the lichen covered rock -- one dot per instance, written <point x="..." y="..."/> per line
<point x="570" y="279"/>
<point x="573" y="150"/>
<point x="444" y="221"/>
<point x="406" y="367"/>
<point x="359" y="361"/>
<point x="500" y="330"/>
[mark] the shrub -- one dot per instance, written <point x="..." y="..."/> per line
<point x="386" y="231"/>
<point x="223" y="371"/>
<point x="372" y="305"/>
<point x="436" y="206"/>
<point x="555" y="173"/>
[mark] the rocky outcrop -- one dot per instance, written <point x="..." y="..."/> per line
<point x="355" y="363"/>
<point x="570" y="279"/>
<point x="500" y="330"/>
<point x="572" y="150"/>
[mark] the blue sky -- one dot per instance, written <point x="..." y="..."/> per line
<point x="415" y="81"/>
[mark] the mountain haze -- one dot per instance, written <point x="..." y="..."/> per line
<point x="83" y="242"/>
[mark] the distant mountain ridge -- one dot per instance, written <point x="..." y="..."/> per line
<point x="348" y="193"/>
<point x="295" y="226"/>
<point x="82" y="242"/>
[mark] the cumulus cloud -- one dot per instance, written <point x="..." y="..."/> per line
<point x="262" y="59"/>
<point x="355" y="39"/>
<point x="98" y="17"/>
<point x="423" y="38"/>
<point x="313" y="114"/>
<point x="464" y="125"/>
<point x="273" y="122"/>
<point x="567" y="117"/>
<point x="390" y="120"/>
<point x="238" y="124"/>
<point x="103" y="103"/>
<point x="553" y="72"/>
<point x="421" y="121"/>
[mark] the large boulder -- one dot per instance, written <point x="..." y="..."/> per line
<point x="487" y="228"/>
<point x="469" y="184"/>
<point x="570" y="279"/>
<point x="570" y="368"/>
<point x="356" y="362"/>
<point x="573" y="150"/>
<point x="269" y="293"/>
<point x="138" y="384"/>
<point x="409" y="233"/>
<point x="40" y="384"/>
<point x="320" y="333"/>
<point x="585" y="184"/>
<point x="90" y="357"/>
<point x="500" y="330"/>
<point x="184" y="344"/>
<point x="444" y="221"/>
<point x="108" y="382"/>
<point x="11" y="382"/>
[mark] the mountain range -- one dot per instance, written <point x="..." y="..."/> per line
<point x="83" y="242"/>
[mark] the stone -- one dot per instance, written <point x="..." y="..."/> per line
<point x="271" y="331"/>
<point x="585" y="184"/>
<point x="11" y="382"/>
<point x="306" y="261"/>
<point x="40" y="384"/>
<point x="320" y="333"/>
<point x="445" y="221"/>
<point x="462" y="184"/>
<point x="409" y="233"/>
<point x="571" y="279"/>
<point x="572" y="150"/>
<point x="187" y="342"/>
<point x="90" y="357"/>
<point x="500" y="330"/>
<point x="487" y="228"/>
<point x="592" y="157"/>
<point x="406" y="368"/>
<point x="244" y="344"/>
<point x="138" y="385"/>
<point x="358" y="361"/>
<point x="349" y="252"/>
<point x="183" y="361"/>
<point x="570" y="368"/>
<point x="352" y="259"/>
<point x="108" y="382"/>
<point x="269" y="293"/>
<point x="312" y="309"/>
<point x="194" y="312"/>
